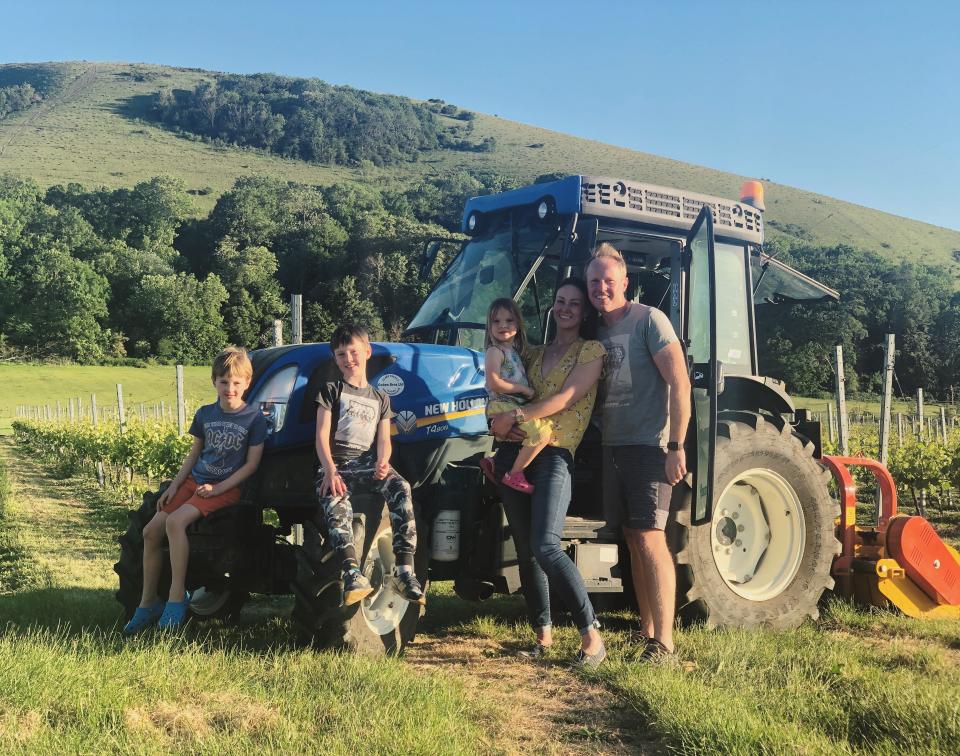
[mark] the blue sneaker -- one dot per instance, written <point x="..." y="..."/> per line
<point x="143" y="617"/>
<point x="175" y="613"/>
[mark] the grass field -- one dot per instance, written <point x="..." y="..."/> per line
<point x="852" y="682"/>
<point x="38" y="385"/>
<point x="88" y="132"/>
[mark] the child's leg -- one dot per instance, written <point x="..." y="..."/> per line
<point x="153" y="534"/>
<point x="399" y="499"/>
<point x="527" y="455"/>
<point x="539" y="434"/>
<point x="338" y="516"/>
<point x="179" y="548"/>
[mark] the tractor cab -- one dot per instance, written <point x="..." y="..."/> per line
<point x="696" y="257"/>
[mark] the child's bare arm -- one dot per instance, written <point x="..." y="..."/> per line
<point x="384" y="450"/>
<point x="189" y="461"/>
<point x="254" y="454"/>
<point x="492" y="362"/>
<point x="332" y="482"/>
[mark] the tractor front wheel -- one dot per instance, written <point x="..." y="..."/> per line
<point x="383" y="622"/>
<point x="764" y="558"/>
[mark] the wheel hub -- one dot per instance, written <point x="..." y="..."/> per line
<point x="383" y="609"/>
<point x="758" y="534"/>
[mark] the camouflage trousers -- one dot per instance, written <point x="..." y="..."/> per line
<point x="337" y="511"/>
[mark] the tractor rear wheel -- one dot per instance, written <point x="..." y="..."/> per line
<point x="383" y="623"/>
<point x="765" y="556"/>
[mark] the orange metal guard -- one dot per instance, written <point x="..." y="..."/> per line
<point x="848" y="502"/>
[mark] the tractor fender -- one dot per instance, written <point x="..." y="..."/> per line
<point x="750" y="393"/>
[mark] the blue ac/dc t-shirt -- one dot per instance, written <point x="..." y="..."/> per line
<point x="226" y="437"/>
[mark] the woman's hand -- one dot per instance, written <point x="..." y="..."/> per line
<point x="167" y="495"/>
<point x="503" y="426"/>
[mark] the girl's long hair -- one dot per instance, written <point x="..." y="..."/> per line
<point x="505" y="303"/>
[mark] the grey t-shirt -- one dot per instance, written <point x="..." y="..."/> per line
<point x="357" y="413"/>
<point x="635" y="405"/>
<point x="226" y="437"/>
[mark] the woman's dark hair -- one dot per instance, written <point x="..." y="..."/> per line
<point x="588" y="328"/>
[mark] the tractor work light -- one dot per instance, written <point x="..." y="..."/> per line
<point x="472" y="223"/>
<point x="543" y="209"/>
<point x="751" y="193"/>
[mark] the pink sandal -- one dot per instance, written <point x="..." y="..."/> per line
<point x="518" y="482"/>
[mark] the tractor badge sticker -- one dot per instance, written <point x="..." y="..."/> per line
<point x="390" y="384"/>
<point x="406" y="422"/>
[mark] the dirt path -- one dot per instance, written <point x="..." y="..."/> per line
<point x="544" y="708"/>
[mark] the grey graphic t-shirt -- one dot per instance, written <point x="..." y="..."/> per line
<point x="635" y="406"/>
<point x="357" y="413"/>
<point x="226" y="437"/>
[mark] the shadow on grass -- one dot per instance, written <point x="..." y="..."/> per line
<point x="81" y="612"/>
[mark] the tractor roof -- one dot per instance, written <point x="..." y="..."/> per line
<point x="629" y="200"/>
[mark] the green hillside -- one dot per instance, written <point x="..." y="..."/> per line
<point x="87" y="130"/>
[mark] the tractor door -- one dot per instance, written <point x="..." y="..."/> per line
<point x="701" y="341"/>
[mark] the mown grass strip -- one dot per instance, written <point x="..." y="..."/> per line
<point x="94" y="692"/>
<point x="804" y="691"/>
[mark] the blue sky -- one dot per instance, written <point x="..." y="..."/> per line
<point x="858" y="100"/>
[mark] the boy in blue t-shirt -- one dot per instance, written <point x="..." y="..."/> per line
<point x="227" y="446"/>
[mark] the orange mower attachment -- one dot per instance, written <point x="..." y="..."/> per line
<point x="900" y="560"/>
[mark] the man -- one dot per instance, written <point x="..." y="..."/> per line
<point x="646" y="409"/>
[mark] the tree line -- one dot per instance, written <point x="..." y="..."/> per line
<point x="306" y="119"/>
<point x="16" y="98"/>
<point x="110" y="275"/>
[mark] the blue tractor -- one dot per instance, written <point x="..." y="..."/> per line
<point x="752" y="527"/>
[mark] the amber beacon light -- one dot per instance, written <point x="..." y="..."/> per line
<point x="751" y="193"/>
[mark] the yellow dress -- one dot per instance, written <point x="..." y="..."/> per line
<point x="570" y="424"/>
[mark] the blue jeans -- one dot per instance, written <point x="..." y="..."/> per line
<point x="536" y="523"/>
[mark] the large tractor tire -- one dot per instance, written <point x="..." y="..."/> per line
<point x="204" y="604"/>
<point x="383" y="623"/>
<point x="765" y="556"/>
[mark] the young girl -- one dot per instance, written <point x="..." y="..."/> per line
<point x="509" y="389"/>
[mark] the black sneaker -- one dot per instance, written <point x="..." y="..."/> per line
<point x="537" y="652"/>
<point x="406" y="584"/>
<point x="355" y="587"/>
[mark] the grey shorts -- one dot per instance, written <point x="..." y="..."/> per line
<point x="636" y="493"/>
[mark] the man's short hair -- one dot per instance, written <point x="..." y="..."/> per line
<point x="607" y="250"/>
<point x="232" y="361"/>
<point x="348" y="332"/>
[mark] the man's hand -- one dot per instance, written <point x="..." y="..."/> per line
<point x="383" y="467"/>
<point x="527" y="392"/>
<point x="332" y="484"/>
<point x="676" y="466"/>
<point x="167" y="495"/>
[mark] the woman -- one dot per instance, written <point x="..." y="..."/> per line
<point x="564" y="375"/>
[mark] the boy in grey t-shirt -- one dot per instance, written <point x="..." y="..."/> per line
<point x="353" y="444"/>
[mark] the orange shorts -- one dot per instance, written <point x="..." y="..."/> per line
<point x="186" y="494"/>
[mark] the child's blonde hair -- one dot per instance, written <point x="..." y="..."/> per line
<point x="505" y="303"/>
<point x="232" y="361"/>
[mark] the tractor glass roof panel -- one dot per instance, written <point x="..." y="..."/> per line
<point x="775" y="282"/>
<point x="491" y="265"/>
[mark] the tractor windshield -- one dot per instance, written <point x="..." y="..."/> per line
<point x="495" y="263"/>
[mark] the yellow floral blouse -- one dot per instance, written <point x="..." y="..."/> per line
<point x="569" y="425"/>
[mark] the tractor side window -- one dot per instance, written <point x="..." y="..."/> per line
<point x="733" y="320"/>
